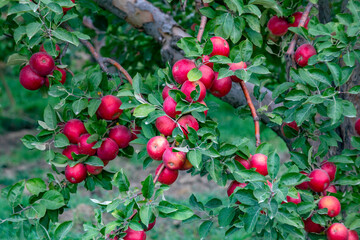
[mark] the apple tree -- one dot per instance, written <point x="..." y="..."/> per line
<point x="291" y="65"/>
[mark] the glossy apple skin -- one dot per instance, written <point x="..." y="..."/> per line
<point x="303" y="53"/>
<point x="181" y="68"/>
<point x="187" y="165"/>
<point x="233" y="185"/>
<point x="337" y="231"/>
<point x="63" y="76"/>
<point x="109" y="108"/>
<point x="332" y="204"/>
<point x="292" y="125"/>
<point x="221" y="87"/>
<point x="294" y="200"/>
<point x="259" y="162"/>
<point x="65" y="10"/>
<point x="330" y="168"/>
<point x="165" y="125"/>
<point x="237" y="66"/>
<point x="76" y="174"/>
<point x="205" y="60"/>
<point x="312" y="227"/>
<point x="42" y="63"/>
<point x="156" y="147"/>
<point x="188" y="87"/>
<point x="207" y="77"/>
<point x="304" y="185"/>
<point x="296" y="22"/>
<point x="243" y="162"/>
<point x="319" y="180"/>
<point x="330" y="189"/>
<point x="73" y="129"/>
<point x="278" y="26"/>
<point x="165" y="91"/>
<point x="188" y="120"/>
<point x="173" y="160"/>
<point x="121" y="135"/>
<point x="357" y="126"/>
<point x="169" y="107"/>
<point x="94" y="170"/>
<point x="71" y="149"/>
<point x="84" y="147"/>
<point x="57" y="48"/>
<point x="151" y="225"/>
<point x="220" y="47"/>
<point x="167" y="176"/>
<point x="108" y="150"/>
<point x="353" y="235"/>
<point x="29" y="79"/>
<point x="134" y="235"/>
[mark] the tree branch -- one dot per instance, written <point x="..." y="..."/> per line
<point x="120" y="68"/>
<point x="202" y="25"/>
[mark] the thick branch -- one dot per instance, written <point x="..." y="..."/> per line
<point x="202" y="25"/>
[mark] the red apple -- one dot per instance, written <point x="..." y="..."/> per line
<point x="294" y="200"/>
<point x="135" y="130"/>
<point x="181" y="68"/>
<point x="337" y="231"/>
<point x="63" y="76"/>
<point x="278" y="26"/>
<point x="187" y="165"/>
<point x="186" y="121"/>
<point x="134" y="235"/>
<point x="188" y="87"/>
<point x="167" y="176"/>
<point x="303" y="53"/>
<point x="65" y="10"/>
<point x="304" y="185"/>
<point x="233" y="185"/>
<point x="70" y="149"/>
<point x="319" y="180"/>
<point x="42" y="63"/>
<point x="220" y="47"/>
<point x="312" y="227"/>
<point x="207" y="77"/>
<point x="173" y="160"/>
<point x="165" y="125"/>
<point x="357" y="126"/>
<point x="332" y="204"/>
<point x="297" y="17"/>
<point x="94" y="170"/>
<point x="121" y="135"/>
<point x="237" y="66"/>
<point x="156" y="147"/>
<point x="290" y="134"/>
<point x="73" y="129"/>
<point x="330" y="189"/>
<point x="151" y="225"/>
<point x="203" y="103"/>
<point x="109" y="108"/>
<point x="57" y="48"/>
<point x="243" y="162"/>
<point x="205" y="60"/>
<point x="29" y="79"/>
<point x="353" y="235"/>
<point x="76" y="173"/>
<point x="259" y="162"/>
<point x="169" y="107"/>
<point x="85" y="147"/>
<point x="330" y="168"/>
<point x="165" y="91"/>
<point x="221" y="87"/>
<point x="108" y="150"/>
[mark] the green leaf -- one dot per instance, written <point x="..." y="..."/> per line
<point x="95" y="80"/>
<point x="208" y="12"/>
<point x="16" y="59"/>
<point x="292" y="179"/>
<point x="349" y="59"/>
<point x="15" y="193"/>
<point x="32" y="29"/>
<point x="226" y="215"/>
<point x="66" y="36"/>
<point x="334" y="110"/>
<point x="214" y="203"/>
<point x="50" y="117"/>
<point x="63" y="229"/>
<point x="36" y="211"/>
<point x="194" y="75"/>
<point x="227" y="24"/>
<point x="269" y="4"/>
<point x="335" y="72"/>
<point x="79" y="105"/>
<point x="204" y="228"/>
<point x="55" y="8"/>
<point x="281" y="89"/>
<point x="195" y="158"/>
<point x="19" y="8"/>
<point x="253" y="22"/>
<point x="304" y="113"/>
<point x="348" y="109"/>
<point x="35" y="186"/>
<point x="273" y="165"/>
<point x="61" y="141"/>
<point x="145" y="214"/>
<point x="94" y="161"/>
<point x="251" y="218"/>
<point x="147" y="187"/>
<point x="248" y="176"/>
<point x="52" y="200"/>
<point x="246" y="50"/>
<point x="287" y="218"/>
<point x="93" y="106"/>
<point x="349" y="180"/>
<point x="121" y="181"/>
<point x="19" y="33"/>
<point x="143" y="110"/>
<point x="228" y="150"/>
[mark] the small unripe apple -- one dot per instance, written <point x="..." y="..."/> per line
<point x="165" y="91"/>
<point x="70" y="149"/>
<point x="330" y="168"/>
<point x="188" y="120"/>
<point x="205" y="60"/>
<point x="57" y="49"/>
<point x="65" y="10"/>
<point x="181" y="68"/>
<point x="303" y="185"/>
<point x="121" y="135"/>
<point x="312" y="227"/>
<point x="303" y="53"/>
<point x="73" y="129"/>
<point x="207" y="77"/>
<point x="259" y="162"/>
<point x="156" y="147"/>
<point x="243" y="162"/>
<point x="94" y="170"/>
<point x="237" y="66"/>
<point x="294" y="200"/>
<point x="134" y="235"/>
<point x="337" y="231"/>
<point x="151" y="225"/>
<point x="76" y="174"/>
<point x="109" y="108"/>
<point x="319" y="180"/>
<point x="169" y="107"/>
<point x="42" y="63"/>
<point x="108" y="150"/>
<point x="167" y="176"/>
<point x="278" y="26"/>
<point x="290" y="133"/>
<point x="330" y="189"/>
<point x="188" y="87"/>
<point x="187" y="165"/>
<point x="353" y="235"/>
<point x="233" y="185"/>
<point x="221" y="87"/>
<point x="357" y="126"/>
<point x="332" y="204"/>
<point x="85" y="147"/>
<point x="220" y="47"/>
<point x="173" y="160"/>
<point x="63" y="76"/>
<point x="297" y="17"/>
<point x="165" y="125"/>
<point x="29" y="79"/>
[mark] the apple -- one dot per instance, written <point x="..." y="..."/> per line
<point x="169" y="107"/>
<point x="297" y="16"/>
<point x="173" y="160"/>
<point x="167" y="176"/>
<point x="109" y="108"/>
<point x="233" y="185"/>
<point x="205" y="60"/>
<point x="312" y="227"/>
<point x="319" y="180"/>
<point x="188" y="121"/>
<point x="135" y="130"/>
<point x="220" y="47"/>
<point x="156" y="147"/>
<point x="42" y="63"/>
<point x="134" y="235"/>
<point x="243" y="162"/>
<point x="278" y="26"/>
<point x="71" y="149"/>
<point x="108" y="150"/>
<point x="165" y="91"/>
<point x="337" y="231"/>
<point x="76" y="174"/>
<point x="294" y="200"/>
<point x="85" y="147"/>
<point x="221" y="87"/>
<point x="57" y="49"/>
<point x="203" y="103"/>
<point x="181" y="68"/>
<point x="207" y="77"/>
<point x="121" y="135"/>
<point x="290" y="130"/>
<point x="65" y="10"/>
<point x="237" y="66"/>
<point x="330" y="168"/>
<point x="29" y="79"/>
<point x="151" y="225"/>
<point x="63" y="76"/>
<point x="165" y="125"/>
<point x="357" y="126"/>
<point x="94" y="170"/>
<point x="303" y="53"/>
<point x="187" y="165"/>
<point x="303" y="185"/>
<point x="332" y="204"/>
<point x="330" y="189"/>
<point x="188" y="87"/>
<point x="259" y="162"/>
<point x="73" y="129"/>
<point x="353" y="235"/>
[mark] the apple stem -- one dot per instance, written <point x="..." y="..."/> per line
<point x="202" y="25"/>
<point x="159" y="172"/>
<point x="253" y="112"/>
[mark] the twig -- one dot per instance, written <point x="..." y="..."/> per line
<point x="159" y="172"/>
<point x="253" y="112"/>
<point x="202" y="25"/>
<point x="120" y="68"/>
